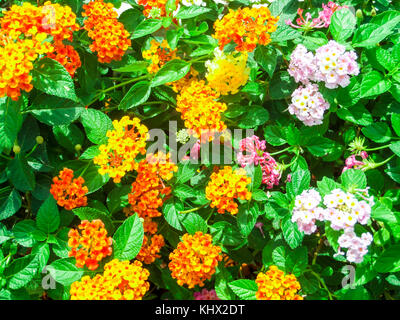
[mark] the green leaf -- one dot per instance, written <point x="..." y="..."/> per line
<point x="118" y="198"/>
<point x="9" y="204"/>
<point x="378" y="29"/>
<point x="96" y="125"/>
<point x="373" y="84"/>
<point x="146" y="27"/>
<point x="55" y="111"/>
<point x="285" y="33"/>
<point x="378" y="132"/>
<point x="353" y="179"/>
<point x="21" y="271"/>
<point x="291" y="233"/>
<point x="389" y="260"/>
<point x="357" y="114"/>
<point x="90" y="214"/>
<point x="128" y="238"/>
<point x="395" y="147"/>
<point x="173" y="70"/>
<point x="68" y="136"/>
<point x="137" y="94"/>
<point x="10" y="122"/>
<point x="52" y="78"/>
<point x="64" y="271"/>
<point x="274" y="135"/>
<point x="343" y="23"/>
<point x="326" y="185"/>
<point x="281" y="86"/>
<point x="48" y="218"/>
<point x="320" y="146"/>
<point x="245" y="289"/>
<point x="23" y="232"/>
<point x="171" y="211"/>
<point x="300" y="181"/>
<point x="382" y="213"/>
<point x="191" y="12"/>
<point x="21" y="175"/>
<point x="396" y="123"/>
<point x="255" y="116"/>
<point x="193" y="223"/>
<point x="266" y="58"/>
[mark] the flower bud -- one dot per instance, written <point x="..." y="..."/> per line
<point x="78" y="147"/>
<point x="39" y="140"/>
<point x="373" y="12"/>
<point x="16" y="149"/>
<point x="359" y="14"/>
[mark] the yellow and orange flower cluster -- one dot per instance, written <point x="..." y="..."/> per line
<point x="200" y="110"/>
<point x="194" y="260"/>
<point x="25" y="35"/>
<point x="67" y="56"/>
<point x="154" y="8"/>
<point x="275" y="285"/>
<point x="226" y="73"/>
<point x="152" y="243"/>
<point x="125" y="142"/>
<point x="247" y="27"/>
<point x="67" y="191"/>
<point x="159" y="53"/>
<point x="121" y="280"/>
<point x="89" y="244"/>
<point x="148" y="190"/>
<point x="225" y="186"/>
<point x="110" y="39"/>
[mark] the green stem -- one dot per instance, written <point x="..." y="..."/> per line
<point x="5" y="157"/>
<point x="281" y="151"/>
<point x="194" y="209"/>
<point x="378" y="148"/>
<point x="383" y="162"/>
<point x="322" y="282"/>
<point x="33" y="149"/>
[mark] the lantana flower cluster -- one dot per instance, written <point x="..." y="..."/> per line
<point x="69" y="193"/>
<point x="194" y="260"/>
<point x="29" y="32"/>
<point x="225" y="186"/>
<point x="342" y="210"/>
<point x="149" y="190"/>
<point x="351" y="162"/>
<point x="357" y="247"/>
<point x="200" y="111"/>
<point x="322" y="21"/>
<point x="247" y="27"/>
<point x="159" y="53"/>
<point x="152" y="243"/>
<point x="89" y="244"/>
<point x="308" y="105"/>
<point x="275" y="285"/>
<point x="110" y="39"/>
<point x="125" y="142"/>
<point x="206" y="295"/>
<point x="226" y="73"/>
<point x="331" y="64"/>
<point x="252" y="152"/>
<point x="155" y="8"/>
<point x="121" y="280"/>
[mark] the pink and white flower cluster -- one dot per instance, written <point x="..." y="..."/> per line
<point x="335" y="65"/>
<point x="357" y="247"/>
<point x="323" y="20"/>
<point x="206" y="295"/>
<point x="352" y="163"/>
<point x="252" y="152"/>
<point x="307" y="211"/>
<point x="308" y="105"/>
<point x="331" y="64"/>
<point x="343" y="210"/>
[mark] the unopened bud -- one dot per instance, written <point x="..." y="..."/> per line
<point x="359" y="14"/>
<point x="16" y="149"/>
<point x="373" y="12"/>
<point x="78" y="147"/>
<point x="39" y="140"/>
